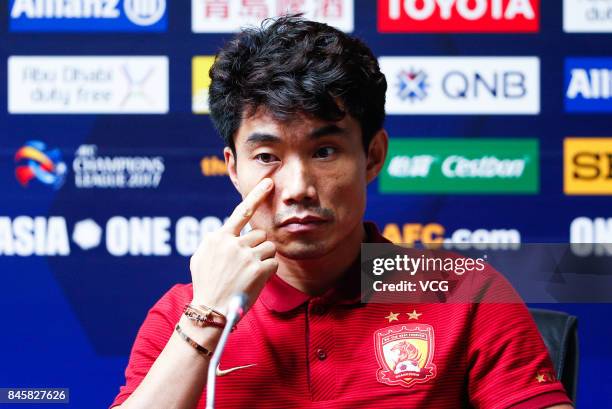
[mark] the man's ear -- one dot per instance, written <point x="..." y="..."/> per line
<point x="230" y="162"/>
<point x="377" y="152"/>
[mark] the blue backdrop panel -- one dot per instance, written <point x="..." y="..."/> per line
<point x="69" y="320"/>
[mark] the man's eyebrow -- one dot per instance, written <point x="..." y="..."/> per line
<point x="327" y="130"/>
<point x="261" y="137"/>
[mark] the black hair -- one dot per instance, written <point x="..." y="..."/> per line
<point x="291" y="65"/>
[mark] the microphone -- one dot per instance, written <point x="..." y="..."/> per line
<point x="235" y="310"/>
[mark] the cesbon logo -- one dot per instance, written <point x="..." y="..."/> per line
<point x="587" y="166"/>
<point x="226" y="16"/>
<point x="588" y="84"/>
<point x="435" y="233"/>
<point x="458" y="16"/>
<point x="35" y="161"/>
<point x="580" y="16"/>
<point x="88" y="15"/>
<point x="461" y="166"/>
<point x="462" y="85"/>
<point x="200" y="82"/>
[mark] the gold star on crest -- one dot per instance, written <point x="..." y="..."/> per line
<point x="392" y="317"/>
<point x="545" y="376"/>
<point x="414" y="315"/>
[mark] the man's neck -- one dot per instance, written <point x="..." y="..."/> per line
<point x="316" y="276"/>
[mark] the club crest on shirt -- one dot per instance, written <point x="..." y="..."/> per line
<point x="405" y="353"/>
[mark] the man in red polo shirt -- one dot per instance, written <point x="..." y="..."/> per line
<point x="301" y="108"/>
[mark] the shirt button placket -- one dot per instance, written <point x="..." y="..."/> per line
<point x="322" y="369"/>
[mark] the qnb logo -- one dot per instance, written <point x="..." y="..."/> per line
<point x="36" y="162"/>
<point x="498" y="84"/>
<point x="462" y="85"/>
<point x="144" y="12"/>
<point x="412" y="85"/>
<point x="458" y="15"/>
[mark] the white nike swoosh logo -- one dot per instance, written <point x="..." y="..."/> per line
<point x="223" y="372"/>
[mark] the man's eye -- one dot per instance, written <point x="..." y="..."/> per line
<point x="325" y="152"/>
<point x="265" y="157"/>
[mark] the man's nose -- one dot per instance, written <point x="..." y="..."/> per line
<point x="297" y="183"/>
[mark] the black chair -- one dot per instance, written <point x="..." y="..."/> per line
<point x="560" y="334"/>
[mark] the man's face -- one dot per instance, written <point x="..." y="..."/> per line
<point x="320" y="173"/>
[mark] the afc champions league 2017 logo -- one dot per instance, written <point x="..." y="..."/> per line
<point x="35" y="161"/>
<point x="405" y="354"/>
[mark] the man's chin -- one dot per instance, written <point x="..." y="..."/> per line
<point x="303" y="250"/>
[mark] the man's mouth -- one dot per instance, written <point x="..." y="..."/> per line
<point x="302" y="223"/>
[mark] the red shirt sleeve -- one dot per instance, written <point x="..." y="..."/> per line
<point x="152" y="337"/>
<point x="509" y="365"/>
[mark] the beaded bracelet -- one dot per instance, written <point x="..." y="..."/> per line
<point x="201" y="350"/>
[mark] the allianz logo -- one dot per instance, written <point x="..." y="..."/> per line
<point x="594" y="83"/>
<point x="141" y="12"/>
<point x="456" y="166"/>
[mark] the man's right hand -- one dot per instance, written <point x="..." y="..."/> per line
<point x="226" y="263"/>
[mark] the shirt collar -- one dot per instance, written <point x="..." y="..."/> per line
<point x="279" y="296"/>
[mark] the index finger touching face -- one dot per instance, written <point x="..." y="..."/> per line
<point x="245" y="210"/>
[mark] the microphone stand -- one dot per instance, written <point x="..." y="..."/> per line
<point x="235" y="311"/>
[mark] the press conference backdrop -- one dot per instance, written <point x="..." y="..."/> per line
<point x="111" y="171"/>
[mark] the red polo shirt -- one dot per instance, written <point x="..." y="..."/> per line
<point x="333" y="351"/>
